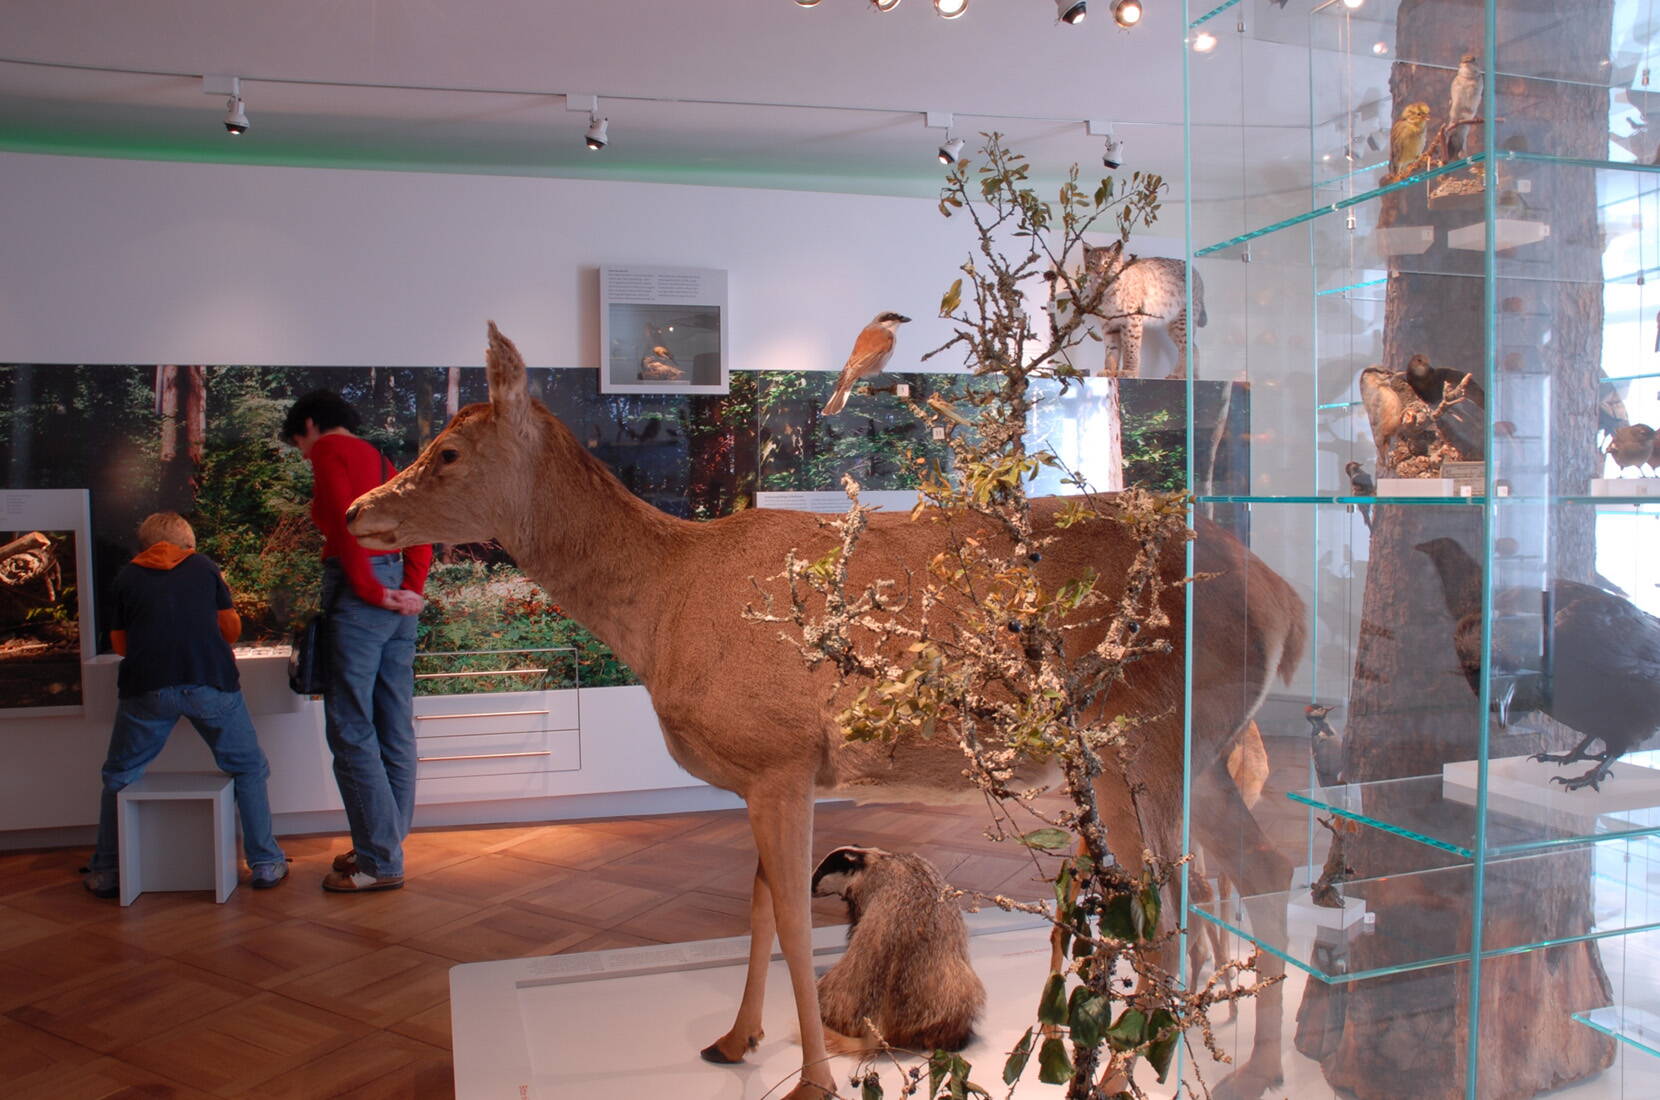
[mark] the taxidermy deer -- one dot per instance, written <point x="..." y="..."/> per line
<point x="740" y="710"/>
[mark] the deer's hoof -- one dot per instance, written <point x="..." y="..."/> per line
<point x="1248" y="1082"/>
<point x="730" y="1049"/>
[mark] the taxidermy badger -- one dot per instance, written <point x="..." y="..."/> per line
<point x="906" y="969"/>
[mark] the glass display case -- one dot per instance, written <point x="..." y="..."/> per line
<point x="1424" y="230"/>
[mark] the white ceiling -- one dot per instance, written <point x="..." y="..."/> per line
<point x="477" y="85"/>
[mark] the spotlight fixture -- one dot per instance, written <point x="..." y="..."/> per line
<point x="1380" y="48"/>
<point x="1353" y="4"/>
<point x="1204" y="42"/>
<point x="806" y="3"/>
<point x="596" y="136"/>
<point x="950" y="9"/>
<point x="884" y="5"/>
<point x="236" y="119"/>
<point x="1071" y="12"/>
<point x="951" y="150"/>
<point x="1127" y="13"/>
<point x="1112" y="153"/>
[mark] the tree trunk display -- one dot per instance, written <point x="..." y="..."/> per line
<point x="1410" y="710"/>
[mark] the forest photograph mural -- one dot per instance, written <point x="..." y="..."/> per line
<point x="201" y="440"/>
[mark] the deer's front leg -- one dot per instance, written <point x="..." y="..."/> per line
<point x="783" y="823"/>
<point x="746" y="1032"/>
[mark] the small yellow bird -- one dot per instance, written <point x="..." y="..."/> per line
<point x="871" y="352"/>
<point x="1406" y="140"/>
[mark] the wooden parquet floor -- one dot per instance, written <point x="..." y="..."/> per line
<point x="294" y="993"/>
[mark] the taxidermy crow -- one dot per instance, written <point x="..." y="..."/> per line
<point x="1600" y="671"/>
<point x="1462" y="421"/>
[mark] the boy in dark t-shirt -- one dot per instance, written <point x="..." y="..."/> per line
<point x="173" y="625"/>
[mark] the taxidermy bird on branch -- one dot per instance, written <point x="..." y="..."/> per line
<point x="1406" y="141"/>
<point x="1599" y="659"/>
<point x="1463" y="107"/>
<point x="1325" y="745"/>
<point x="871" y="352"/>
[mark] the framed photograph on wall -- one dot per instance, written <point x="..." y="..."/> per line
<point x="45" y="600"/>
<point x="662" y="330"/>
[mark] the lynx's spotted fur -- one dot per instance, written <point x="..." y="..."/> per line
<point x="1143" y="289"/>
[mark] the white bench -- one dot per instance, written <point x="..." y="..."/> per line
<point x="178" y="832"/>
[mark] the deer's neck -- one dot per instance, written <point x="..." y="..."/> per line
<point x="609" y="559"/>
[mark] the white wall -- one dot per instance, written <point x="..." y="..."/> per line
<point x="144" y="262"/>
<point x="138" y="262"/>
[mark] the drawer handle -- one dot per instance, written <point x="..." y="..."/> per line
<point x="484" y="756"/>
<point x="481" y="714"/>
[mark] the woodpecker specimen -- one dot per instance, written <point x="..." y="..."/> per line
<point x="1325" y="745"/>
<point x="1361" y="485"/>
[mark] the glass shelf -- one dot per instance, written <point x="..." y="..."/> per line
<point x="1293" y="499"/>
<point x="1422" y="810"/>
<point x="1421" y="919"/>
<point x="1362" y="198"/>
<point x="1214" y="12"/>
<point x="1634" y="1025"/>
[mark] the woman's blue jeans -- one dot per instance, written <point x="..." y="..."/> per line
<point x="368" y="713"/>
<point x="142" y="724"/>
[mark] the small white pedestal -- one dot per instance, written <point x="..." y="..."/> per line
<point x="178" y="832"/>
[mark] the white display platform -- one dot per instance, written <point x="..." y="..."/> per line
<point x="618" y="1025"/>
<point x="625" y="1024"/>
<point x="1625" y="487"/>
<point x="1417" y="487"/>
<point x="1522" y="787"/>
<point x="834" y="501"/>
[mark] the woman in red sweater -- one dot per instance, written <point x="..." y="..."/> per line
<point x="370" y="602"/>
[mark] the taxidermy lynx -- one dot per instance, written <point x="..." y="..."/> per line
<point x="1143" y="290"/>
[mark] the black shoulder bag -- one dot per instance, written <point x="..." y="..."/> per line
<point x="308" y="654"/>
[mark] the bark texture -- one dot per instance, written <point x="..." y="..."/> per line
<point x="1410" y="710"/>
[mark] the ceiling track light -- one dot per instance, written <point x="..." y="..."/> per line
<point x="950" y="9"/>
<point x="951" y="151"/>
<point x="597" y="137"/>
<point x="1126" y="13"/>
<point x="806" y="3"/>
<point x="236" y="115"/>
<point x="1071" y="12"/>
<point x="884" y="5"/>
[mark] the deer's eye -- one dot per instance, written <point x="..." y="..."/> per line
<point x="448" y="455"/>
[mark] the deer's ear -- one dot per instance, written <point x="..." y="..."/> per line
<point x="505" y="370"/>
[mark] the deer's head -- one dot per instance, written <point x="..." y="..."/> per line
<point x="472" y="480"/>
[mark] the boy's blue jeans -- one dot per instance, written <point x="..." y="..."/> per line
<point x="142" y="724"/>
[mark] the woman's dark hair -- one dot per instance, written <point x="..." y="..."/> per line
<point x="324" y="408"/>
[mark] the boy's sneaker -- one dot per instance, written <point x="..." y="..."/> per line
<point x="359" y="882"/>
<point x="266" y="875"/>
<point x="102" y="884"/>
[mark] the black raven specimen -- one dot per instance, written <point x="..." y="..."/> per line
<point x="1597" y="670"/>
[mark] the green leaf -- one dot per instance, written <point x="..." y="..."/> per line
<point x="953" y="298"/>
<point x="1118" y="918"/>
<point x="1052" y="1005"/>
<point x="1047" y="839"/>
<point x="1150" y="911"/>
<point x="939" y="1067"/>
<point x="1016" y="1065"/>
<point x="1130" y="1031"/>
<point x="1086" y="1015"/>
<point x="1054" y="1067"/>
<point x="1165" y="1037"/>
